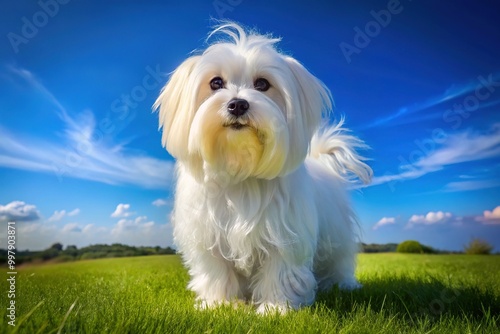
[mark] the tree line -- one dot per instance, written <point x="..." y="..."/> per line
<point x="474" y="247"/>
<point x="57" y="253"/>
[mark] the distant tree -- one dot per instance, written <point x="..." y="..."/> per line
<point x="378" y="248"/>
<point x="49" y="253"/>
<point x="167" y="250"/>
<point x="410" y="246"/>
<point x="58" y="246"/>
<point x="429" y="250"/>
<point x="478" y="247"/>
<point x="71" y="251"/>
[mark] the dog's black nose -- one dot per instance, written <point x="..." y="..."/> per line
<point x="237" y="107"/>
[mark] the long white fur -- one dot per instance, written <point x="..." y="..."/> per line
<point x="261" y="213"/>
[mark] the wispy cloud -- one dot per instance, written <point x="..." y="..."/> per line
<point x="395" y="178"/>
<point x="73" y="213"/>
<point x="58" y="215"/>
<point x="35" y="83"/>
<point x="71" y="227"/>
<point x="463" y="147"/>
<point x="471" y="185"/>
<point x="457" y="148"/>
<point x="160" y="202"/>
<point x="83" y="152"/>
<point x="454" y="92"/>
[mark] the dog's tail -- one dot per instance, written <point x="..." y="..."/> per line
<point x="335" y="149"/>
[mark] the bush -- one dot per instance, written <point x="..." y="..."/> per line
<point x="410" y="246"/>
<point x="478" y="247"/>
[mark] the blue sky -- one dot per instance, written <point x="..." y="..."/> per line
<point x="81" y="160"/>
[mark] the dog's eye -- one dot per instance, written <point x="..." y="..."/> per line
<point x="216" y="83"/>
<point x="261" y="84"/>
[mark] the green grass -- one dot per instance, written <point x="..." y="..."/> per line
<point x="401" y="294"/>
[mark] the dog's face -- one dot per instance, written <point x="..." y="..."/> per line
<point x="241" y="108"/>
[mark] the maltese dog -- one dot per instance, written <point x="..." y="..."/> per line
<point x="261" y="207"/>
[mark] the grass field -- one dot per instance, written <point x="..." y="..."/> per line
<point x="401" y="294"/>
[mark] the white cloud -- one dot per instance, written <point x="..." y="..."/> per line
<point x="464" y="147"/>
<point x="85" y="151"/>
<point x="87" y="228"/>
<point x="29" y="228"/>
<point x="134" y="232"/>
<point x="384" y="221"/>
<point x="490" y="217"/>
<point x="59" y="215"/>
<point x="471" y="185"/>
<point x="434" y="218"/>
<point x="19" y="211"/>
<point x="395" y="178"/>
<point x="160" y="202"/>
<point x="451" y="93"/>
<point x="495" y="214"/>
<point x="128" y="225"/>
<point x="72" y="227"/>
<point x="37" y="236"/>
<point x="122" y="210"/>
<point x="430" y="218"/>
<point x="456" y="148"/>
<point x="36" y="233"/>
<point x="74" y="212"/>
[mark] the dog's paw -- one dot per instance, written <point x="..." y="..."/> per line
<point x="205" y="304"/>
<point x="272" y="308"/>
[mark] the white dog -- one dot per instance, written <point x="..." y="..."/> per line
<point x="261" y="211"/>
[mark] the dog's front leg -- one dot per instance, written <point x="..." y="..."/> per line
<point x="283" y="283"/>
<point x="212" y="279"/>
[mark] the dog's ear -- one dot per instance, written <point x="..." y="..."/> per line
<point x="311" y="99"/>
<point x="176" y="105"/>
